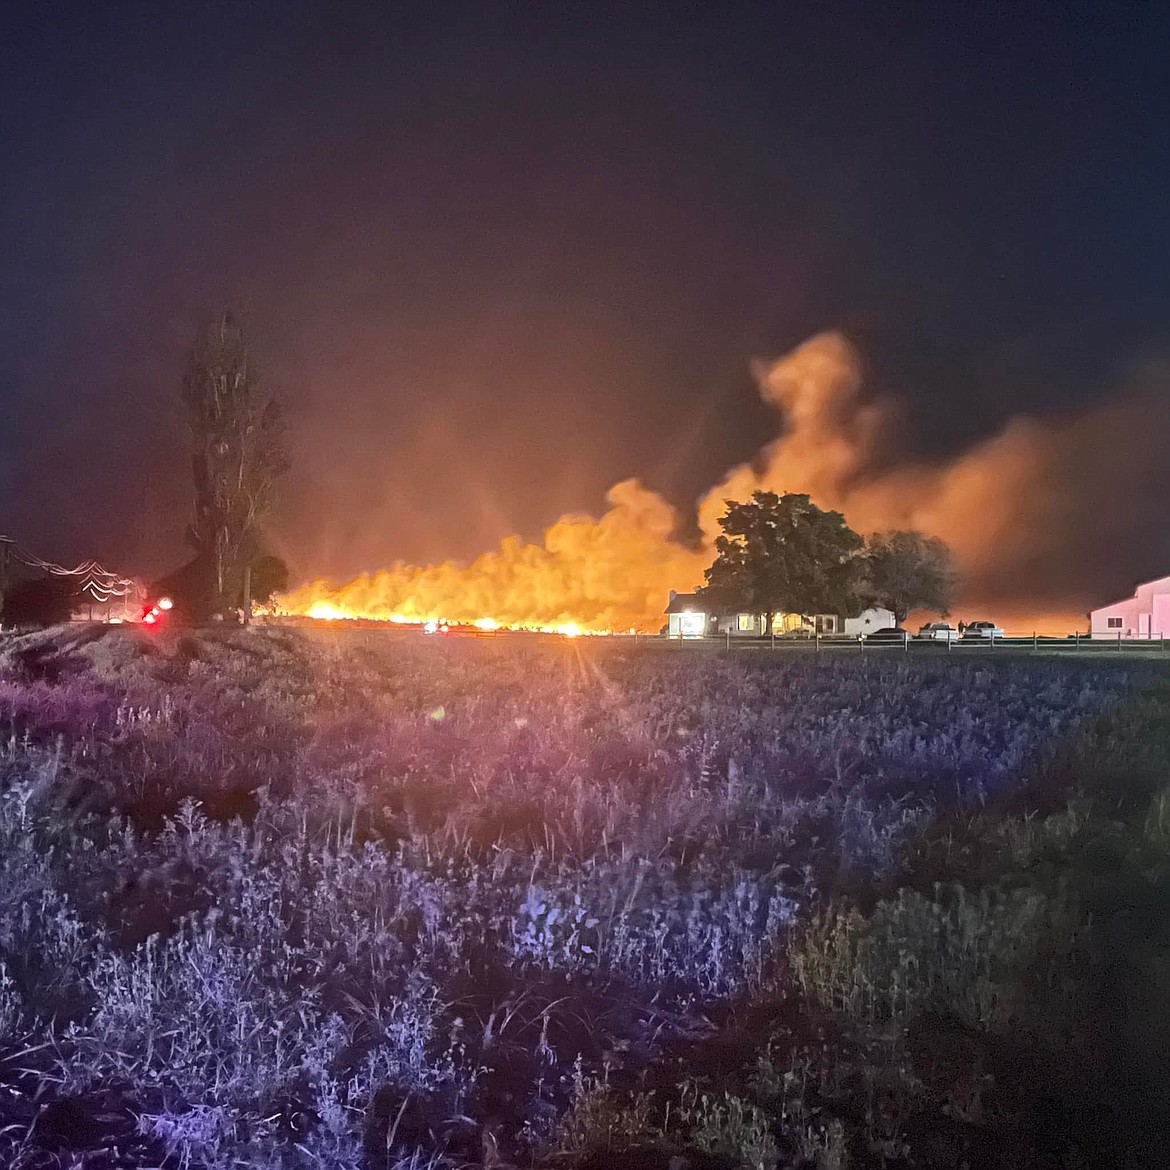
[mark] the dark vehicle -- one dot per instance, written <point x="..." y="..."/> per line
<point x="895" y="635"/>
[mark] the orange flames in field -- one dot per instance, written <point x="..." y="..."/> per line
<point x="587" y="576"/>
<point x="997" y="506"/>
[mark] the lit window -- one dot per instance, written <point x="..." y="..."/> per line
<point x="1114" y="623"/>
<point x="747" y="622"/>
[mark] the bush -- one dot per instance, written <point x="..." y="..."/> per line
<point x="964" y="954"/>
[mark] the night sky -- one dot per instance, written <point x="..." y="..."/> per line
<point x="496" y="258"/>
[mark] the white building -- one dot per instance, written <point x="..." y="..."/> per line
<point x="1144" y="615"/>
<point x="875" y="618"/>
<point x="687" y="618"/>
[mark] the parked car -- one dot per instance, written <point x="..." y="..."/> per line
<point x="889" y="634"/>
<point x="938" y="632"/>
<point x="982" y="630"/>
<point x="797" y="632"/>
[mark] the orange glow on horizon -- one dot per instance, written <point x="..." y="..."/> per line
<point x="614" y="573"/>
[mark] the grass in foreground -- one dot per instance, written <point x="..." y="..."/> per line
<point x="280" y="901"/>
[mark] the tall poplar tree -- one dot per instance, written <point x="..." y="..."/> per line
<point x="237" y="456"/>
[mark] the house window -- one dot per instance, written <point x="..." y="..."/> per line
<point x="1114" y="623"/>
<point x="747" y="622"/>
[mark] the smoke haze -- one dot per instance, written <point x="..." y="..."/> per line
<point x="1037" y="516"/>
<point x="498" y="258"/>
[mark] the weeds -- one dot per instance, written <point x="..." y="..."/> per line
<point x="598" y="1118"/>
<point x="295" y="903"/>
<point x="957" y="953"/>
<point x="729" y="1126"/>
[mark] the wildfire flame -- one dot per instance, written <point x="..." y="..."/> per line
<point x="587" y="576"/>
<point x="992" y="504"/>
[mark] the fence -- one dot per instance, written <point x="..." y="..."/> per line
<point x="1036" y="642"/>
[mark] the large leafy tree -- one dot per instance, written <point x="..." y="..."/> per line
<point x="237" y="456"/>
<point x="906" y="570"/>
<point x="783" y="554"/>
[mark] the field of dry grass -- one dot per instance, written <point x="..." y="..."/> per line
<point x="274" y="898"/>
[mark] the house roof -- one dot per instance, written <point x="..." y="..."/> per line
<point x="690" y="602"/>
<point x="1159" y="585"/>
<point x="684" y="602"/>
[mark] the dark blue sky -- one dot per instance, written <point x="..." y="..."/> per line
<point x="496" y="258"/>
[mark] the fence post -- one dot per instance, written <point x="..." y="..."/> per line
<point x="906" y="641"/>
<point x="728" y="633"/>
<point x="1034" y="640"/>
<point x="817" y="642"/>
<point x="861" y="642"/>
<point x="1118" y="639"/>
<point x="1077" y="636"/>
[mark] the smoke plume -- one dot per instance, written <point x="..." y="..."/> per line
<point x="1044" y="518"/>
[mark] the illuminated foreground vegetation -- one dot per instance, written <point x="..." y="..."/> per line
<point x="279" y="899"/>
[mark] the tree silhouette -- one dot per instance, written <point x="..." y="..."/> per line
<point x="783" y="554"/>
<point x="269" y="577"/>
<point x="237" y="455"/>
<point x="906" y="570"/>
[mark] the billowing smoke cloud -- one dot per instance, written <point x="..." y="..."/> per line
<point x="986" y="504"/>
<point x="1044" y="518"/>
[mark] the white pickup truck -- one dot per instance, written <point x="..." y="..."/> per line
<point x="982" y="630"/>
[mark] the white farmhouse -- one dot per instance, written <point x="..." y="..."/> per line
<point x="687" y="617"/>
<point x="1144" y="615"/>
